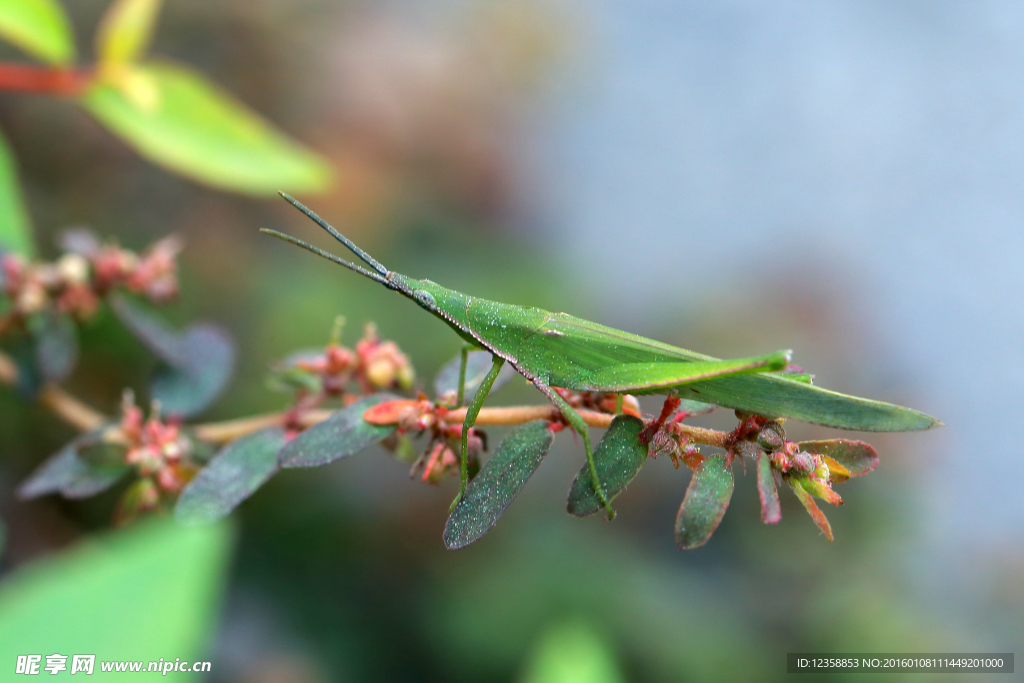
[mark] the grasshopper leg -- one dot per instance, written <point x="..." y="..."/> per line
<point x="471" y="412"/>
<point x="462" y="375"/>
<point x="577" y="422"/>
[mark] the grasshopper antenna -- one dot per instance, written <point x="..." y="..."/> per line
<point x="367" y="259"/>
<point x="330" y="257"/>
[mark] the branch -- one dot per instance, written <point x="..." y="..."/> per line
<point x="66" y="406"/>
<point x="223" y="432"/>
<point x="79" y="415"/>
<point x="41" y="79"/>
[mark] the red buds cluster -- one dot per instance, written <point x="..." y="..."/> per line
<point x="440" y="459"/>
<point x="374" y="365"/>
<point x="157" y="449"/>
<point x="79" y="279"/>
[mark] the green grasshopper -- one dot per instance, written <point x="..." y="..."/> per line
<point x="560" y="350"/>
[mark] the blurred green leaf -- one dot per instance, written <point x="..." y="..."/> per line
<point x="498" y="483"/>
<point x="70" y="475"/>
<point x="98" y="452"/>
<point x="15" y="229"/>
<point x="126" y="30"/>
<point x="856" y="456"/>
<point x="571" y="652"/>
<point x="23" y="351"/>
<point x="771" y="512"/>
<point x="189" y="389"/>
<point x="707" y="498"/>
<point x="231" y="477"/>
<point x="140" y="497"/>
<point x="478" y="364"/>
<point x="343" y="434"/>
<point x="812" y="508"/>
<point x="56" y="340"/>
<point x="40" y="28"/>
<point x="288" y="376"/>
<point x="142" y="594"/>
<point x="175" y="118"/>
<point x="618" y="459"/>
<point x="198" y="362"/>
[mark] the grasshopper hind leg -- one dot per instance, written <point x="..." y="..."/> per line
<point x="578" y="424"/>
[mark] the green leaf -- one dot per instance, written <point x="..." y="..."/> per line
<point x="498" y="483"/>
<point x="141" y="594"/>
<point x="126" y="30"/>
<point x="56" y="345"/>
<point x="618" y="459"/>
<point x="140" y="497"/>
<point x="40" y="28"/>
<point x="771" y="512"/>
<point x="70" y="475"/>
<point x="707" y="498"/>
<point x="343" y="434"/>
<point x="15" y="228"/>
<point x="856" y="456"/>
<point x="780" y="396"/>
<point x="478" y="364"/>
<point x="197" y="363"/>
<point x="571" y="652"/>
<point x="175" y="118"/>
<point x="97" y="452"/>
<point x="231" y="477"/>
<point x="189" y="389"/>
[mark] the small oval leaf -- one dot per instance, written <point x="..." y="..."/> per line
<point x="857" y="457"/>
<point x="618" y="460"/>
<point x="343" y="434"/>
<point x="69" y="475"/>
<point x="198" y="362"/>
<point x="189" y="389"/>
<point x="56" y="346"/>
<point x="177" y="119"/>
<point x="40" y="28"/>
<point x="230" y="477"/>
<point x="478" y="364"/>
<point x="498" y="483"/>
<point x="707" y="498"/>
<point x="771" y="512"/>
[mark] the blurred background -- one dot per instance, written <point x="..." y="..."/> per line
<point x="844" y="180"/>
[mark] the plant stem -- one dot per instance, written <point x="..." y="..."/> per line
<point x="66" y="406"/>
<point x="41" y="79"/>
<point x="85" y="418"/>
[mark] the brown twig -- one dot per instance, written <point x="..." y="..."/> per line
<point x="85" y="418"/>
<point x="63" y="404"/>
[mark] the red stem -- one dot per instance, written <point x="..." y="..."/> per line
<point x="43" y="79"/>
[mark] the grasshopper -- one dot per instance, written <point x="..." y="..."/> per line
<point x="560" y="350"/>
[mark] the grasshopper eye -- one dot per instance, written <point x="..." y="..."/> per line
<point x="425" y="298"/>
